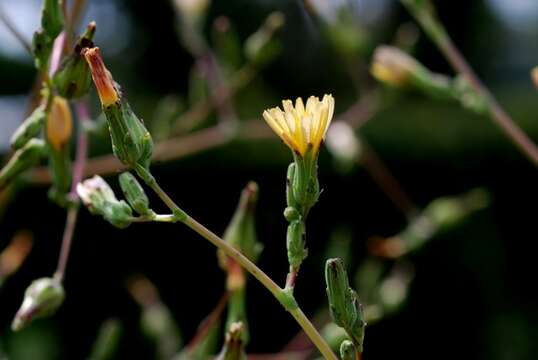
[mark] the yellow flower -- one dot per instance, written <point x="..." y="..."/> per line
<point x="300" y="127"/>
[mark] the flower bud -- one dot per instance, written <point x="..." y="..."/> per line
<point x="295" y="243"/>
<point x="534" y="76"/>
<point x="347" y="350"/>
<point x="52" y="19"/>
<point x="134" y="193"/>
<point x="52" y="22"/>
<point x="131" y="141"/>
<point x="73" y="78"/>
<point x="261" y="47"/>
<point x="345" y="308"/>
<point x="234" y="347"/>
<point x="41" y="299"/>
<point x="24" y="158"/>
<point x="30" y="128"/>
<point x="241" y="232"/>
<point x="59" y="124"/>
<point x="99" y="198"/>
<point x="392" y="66"/>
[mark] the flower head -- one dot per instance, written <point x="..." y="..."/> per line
<point x="302" y="128"/>
<point x="101" y="76"/>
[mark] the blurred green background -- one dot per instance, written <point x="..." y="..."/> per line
<point x="473" y="294"/>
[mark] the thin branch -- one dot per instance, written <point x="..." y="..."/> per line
<point x="78" y="171"/>
<point x="424" y="14"/>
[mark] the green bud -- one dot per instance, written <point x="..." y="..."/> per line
<point x="52" y="22"/>
<point x="131" y="141"/>
<point x="347" y="350"/>
<point x="135" y="194"/>
<point x="99" y="198"/>
<point x="303" y="183"/>
<point x="23" y="159"/>
<point x="241" y="232"/>
<point x="345" y="308"/>
<point x="52" y="19"/>
<point x="29" y="129"/>
<point x="41" y="299"/>
<point x="261" y="47"/>
<point x="41" y="49"/>
<point x="291" y="214"/>
<point x="295" y="242"/>
<point x="234" y="348"/>
<point x="73" y="78"/>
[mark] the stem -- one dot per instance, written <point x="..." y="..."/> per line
<point x="248" y="265"/>
<point x="78" y="170"/>
<point x="437" y="33"/>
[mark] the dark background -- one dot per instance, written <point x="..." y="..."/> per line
<point x="473" y="296"/>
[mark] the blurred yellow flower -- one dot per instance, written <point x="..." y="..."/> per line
<point x="302" y="128"/>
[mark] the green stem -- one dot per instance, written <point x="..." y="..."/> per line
<point x="248" y="265"/>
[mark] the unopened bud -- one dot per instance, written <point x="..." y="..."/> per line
<point x="52" y="19"/>
<point x="392" y="66"/>
<point x="261" y="47"/>
<point x="24" y="158"/>
<point x="101" y="77"/>
<point x="347" y="350"/>
<point x="59" y="124"/>
<point x="345" y="308"/>
<point x="73" y="78"/>
<point x="29" y="129"/>
<point x="99" y="198"/>
<point x="134" y="193"/>
<point x="295" y="243"/>
<point x="131" y="141"/>
<point x="241" y="232"/>
<point x="534" y="76"/>
<point x="41" y="299"/>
